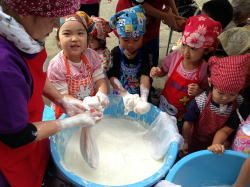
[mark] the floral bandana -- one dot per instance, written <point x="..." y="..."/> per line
<point x="44" y="8"/>
<point x="81" y="17"/>
<point x="15" y="33"/>
<point x="201" y="32"/>
<point x="101" y="28"/>
<point x="130" y="22"/>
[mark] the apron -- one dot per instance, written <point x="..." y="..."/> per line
<point x="241" y="141"/>
<point x="78" y="88"/>
<point x="205" y="128"/>
<point x="129" y="75"/>
<point x="175" y="97"/>
<point x="25" y="166"/>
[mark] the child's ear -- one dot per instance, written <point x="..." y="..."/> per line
<point x="208" y="50"/>
<point x="209" y="81"/>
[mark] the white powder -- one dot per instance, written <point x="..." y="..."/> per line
<point x="124" y="158"/>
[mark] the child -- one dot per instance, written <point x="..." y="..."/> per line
<point x="208" y="112"/>
<point x="76" y="70"/>
<point x="187" y="71"/>
<point x="130" y="61"/>
<point x="213" y="9"/>
<point x="97" y="40"/>
<point x="155" y="13"/>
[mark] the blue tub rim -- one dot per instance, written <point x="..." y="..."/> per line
<point x="173" y="171"/>
<point x="78" y="181"/>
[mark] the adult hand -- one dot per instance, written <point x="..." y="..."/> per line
<point x="86" y="119"/>
<point x="71" y="106"/>
<point x="217" y="148"/>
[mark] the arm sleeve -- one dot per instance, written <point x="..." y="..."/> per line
<point x="170" y="60"/>
<point x="147" y="61"/>
<point x="114" y="70"/>
<point x="192" y="113"/>
<point x="56" y="73"/>
<point x="20" y="138"/>
<point x="14" y="93"/>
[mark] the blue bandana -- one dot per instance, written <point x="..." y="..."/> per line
<point x="130" y="22"/>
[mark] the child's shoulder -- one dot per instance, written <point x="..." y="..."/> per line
<point x="58" y="59"/>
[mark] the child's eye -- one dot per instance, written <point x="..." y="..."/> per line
<point x="66" y="34"/>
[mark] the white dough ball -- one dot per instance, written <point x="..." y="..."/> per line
<point x="142" y="107"/>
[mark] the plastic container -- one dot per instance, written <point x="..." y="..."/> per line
<point x="115" y="110"/>
<point x="204" y="168"/>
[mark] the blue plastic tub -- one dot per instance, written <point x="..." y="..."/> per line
<point x="204" y="168"/>
<point x="115" y="110"/>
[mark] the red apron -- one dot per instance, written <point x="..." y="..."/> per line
<point x="79" y="88"/>
<point x="25" y="166"/>
<point x="175" y="97"/>
<point x="206" y="127"/>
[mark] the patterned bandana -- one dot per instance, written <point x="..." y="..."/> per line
<point x="81" y="17"/>
<point x="228" y="74"/>
<point x="100" y="29"/>
<point x="130" y="22"/>
<point x="14" y="32"/>
<point x="201" y="32"/>
<point x="235" y="41"/>
<point x="44" y="8"/>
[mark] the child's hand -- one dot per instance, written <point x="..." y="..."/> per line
<point x="103" y="98"/>
<point x="156" y="72"/>
<point x="194" y="89"/>
<point x="217" y="148"/>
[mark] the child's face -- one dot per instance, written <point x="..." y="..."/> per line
<point x="131" y="44"/>
<point x="39" y="27"/>
<point x="221" y="97"/>
<point x="73" y="39"/>
<point x="192" y="55"/>
<point x="94" y="43"/>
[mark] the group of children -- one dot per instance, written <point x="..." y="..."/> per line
<point x="201" y="89"/>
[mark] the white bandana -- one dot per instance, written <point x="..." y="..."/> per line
<point x="14" y="32"/>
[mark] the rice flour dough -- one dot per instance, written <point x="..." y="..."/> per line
<point x="123" y="156"/>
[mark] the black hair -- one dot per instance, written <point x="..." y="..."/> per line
<point x="219" y="10"/>
<point x="137" y="2"/>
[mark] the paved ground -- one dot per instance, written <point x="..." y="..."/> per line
<point x="106" y="10"/>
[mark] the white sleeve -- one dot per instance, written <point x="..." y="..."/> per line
<point x="98" y="74"/>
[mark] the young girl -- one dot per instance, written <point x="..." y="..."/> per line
<point x="208" y="112"/>
<point x="186" y="69"/>
<point x="97" y="40"/>
<point x="130" y="61"/>
<point x="76" y="70"/>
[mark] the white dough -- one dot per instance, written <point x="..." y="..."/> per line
<point x="124" y="158"/>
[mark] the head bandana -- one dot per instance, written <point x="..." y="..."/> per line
<point x="44" y="8"/>
<point x="81" y="17"/>
<point x="130" y="22"/>
<point x="100" y="29"/>
<point x="201" y="32"/>
<point x="228" y="74"/>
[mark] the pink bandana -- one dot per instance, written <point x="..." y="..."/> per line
<point x="201" y="32"/>
<point x="228" y="74"/>
<point x="44" y="8"/>
<point x="101" y="28"/>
